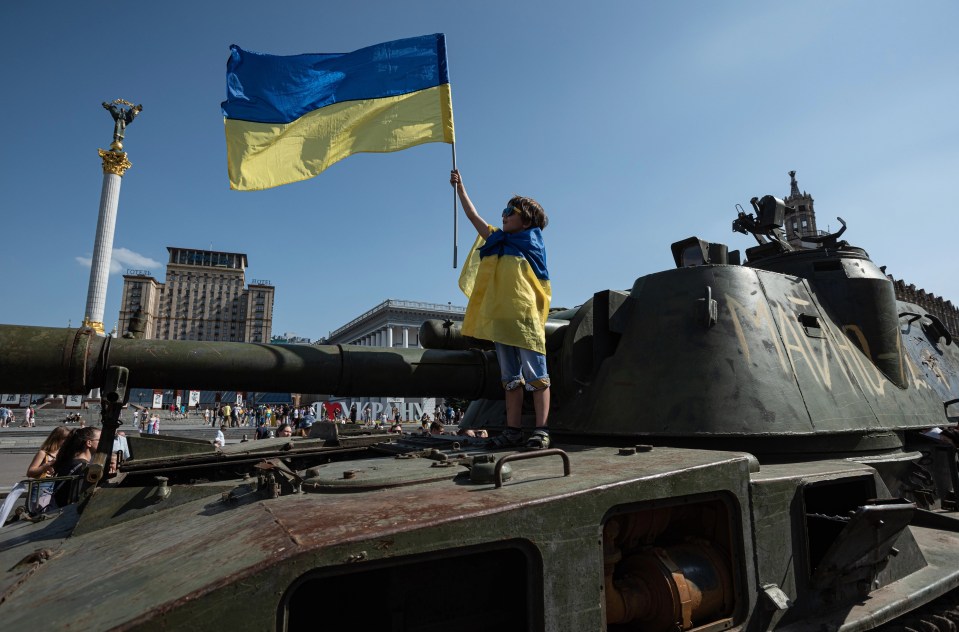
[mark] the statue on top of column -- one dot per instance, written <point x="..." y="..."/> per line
<point x="122" y="116"/>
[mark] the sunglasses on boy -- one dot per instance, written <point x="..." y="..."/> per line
<point x="509" y="210"/>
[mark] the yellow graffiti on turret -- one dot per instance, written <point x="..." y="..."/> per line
<point x="858" y="359"/>
<point x="848" y="346"/>
<point x="760" y="319"/>
<point x="801" y="346"/>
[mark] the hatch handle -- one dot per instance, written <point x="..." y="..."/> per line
<point x="939" y="329"/>
<point x="913" y="316"/>
<point x="710" y="308"/>
<point x="522" y="456"/>
<point x="936" y="327"/>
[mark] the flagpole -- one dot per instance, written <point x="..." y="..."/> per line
<point x="455" y="213"/>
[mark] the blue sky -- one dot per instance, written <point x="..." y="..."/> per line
<point x="635" y="124"/>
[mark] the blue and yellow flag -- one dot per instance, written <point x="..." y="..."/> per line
<point x="507" y="282"/>
<point x="290" y="117"/>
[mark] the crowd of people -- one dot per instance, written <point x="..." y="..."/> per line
<point x="146" y="422"/>
<point x="8" y="418"/>
<point x="301" y="418"/>
<point x="62" y="457"/>
<point x="66" y="451"/>
<point x="237" y="416"/>
<point x="269" y="421"/>
<point x="446" y="415"/>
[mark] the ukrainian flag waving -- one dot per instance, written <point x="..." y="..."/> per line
<point x="507" y="282"/>
<point x="288" y="118"/>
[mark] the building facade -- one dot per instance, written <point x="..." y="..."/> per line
<point x="392" y="323"/>
<point x="205" y="297"/>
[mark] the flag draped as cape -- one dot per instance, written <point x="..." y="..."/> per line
<point x="507" y="282"/>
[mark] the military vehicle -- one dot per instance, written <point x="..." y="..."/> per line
<point x="753" y="446"/>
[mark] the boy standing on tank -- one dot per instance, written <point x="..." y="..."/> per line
<point x="506" y="280"/>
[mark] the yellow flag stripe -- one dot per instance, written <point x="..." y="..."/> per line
<point x="264" y="155"/>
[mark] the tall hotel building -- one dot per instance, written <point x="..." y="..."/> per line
<point x="205" y="297"/>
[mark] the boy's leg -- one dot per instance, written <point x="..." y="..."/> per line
<point x="512" y="379"/>
<point x="514" y="408"/>
<point x="537" y="381"/>
<point x="541" y="406"/>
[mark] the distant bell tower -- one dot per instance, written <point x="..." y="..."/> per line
<point x="800" y="216"/>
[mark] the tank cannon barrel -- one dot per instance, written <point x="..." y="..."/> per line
<point x="54" y="360"/>
<point x="447" y="334"/>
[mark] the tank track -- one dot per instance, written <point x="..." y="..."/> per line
<point x="941" y="615"/>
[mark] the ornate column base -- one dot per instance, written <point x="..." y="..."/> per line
<point x="94" y="325"/>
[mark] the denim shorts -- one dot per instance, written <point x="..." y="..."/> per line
<point x="520" y="366"/>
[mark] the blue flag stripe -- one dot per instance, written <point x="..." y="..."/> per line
<point x="267" y="88"/>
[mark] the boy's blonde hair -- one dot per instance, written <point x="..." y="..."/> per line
<point x="529" y="211"/>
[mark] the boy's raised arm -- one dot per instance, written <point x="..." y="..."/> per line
<point x="478" y="222"/>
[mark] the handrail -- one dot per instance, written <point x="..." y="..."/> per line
<point x="522" y="456"/>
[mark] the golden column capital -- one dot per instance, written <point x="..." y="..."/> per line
<point x="115" y="162"/>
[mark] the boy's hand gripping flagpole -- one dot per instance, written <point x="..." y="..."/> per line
<point x="455" y="212"/>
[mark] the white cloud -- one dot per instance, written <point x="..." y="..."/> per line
<point x="124" y="259"/>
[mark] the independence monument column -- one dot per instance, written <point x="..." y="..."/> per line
<point x="115" y="164"/>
